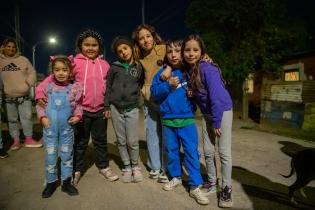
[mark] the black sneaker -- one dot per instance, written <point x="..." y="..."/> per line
<point x="3" y="154"/>
<point x="49" y="189"/>
<point x="225" y="200"/>
<point x="68" y="188"/>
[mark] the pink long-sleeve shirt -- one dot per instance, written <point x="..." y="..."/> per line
<point x="91" y="74"/>
<point x="74" y="96"/>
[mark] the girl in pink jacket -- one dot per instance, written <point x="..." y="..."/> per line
<point x="90" y="70"/>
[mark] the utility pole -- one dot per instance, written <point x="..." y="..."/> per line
<point x="142" y="12"/>
<point x="17" y="24"/>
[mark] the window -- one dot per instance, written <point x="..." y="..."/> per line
<point x="292" y="75"/>
<point x="293" y="72"/>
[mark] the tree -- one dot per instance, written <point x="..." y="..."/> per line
<point x="246" y="36"/>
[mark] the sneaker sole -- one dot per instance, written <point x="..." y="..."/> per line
<point x="111" y="179"/>
<point x="200" y="202"/>
<point x="168" y="189"/>
<point x="153" y="176"/>
<point x="163" y="180"/>
<point x="71" y="194"/>
<point x="126" y="180"/>
<point x="15" y="148"/>
<point x="4" y="156"/>
<point x="225" y="204"/>
<point x="138" y="180"/>
<point x="33" y="146"/>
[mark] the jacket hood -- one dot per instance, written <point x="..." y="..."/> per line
<point x="2" y="56"/>
<point x="120" y="64"/>
<point x="81" y="56"/>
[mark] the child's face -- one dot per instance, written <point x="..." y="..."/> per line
<point x="173" y="55"/>
<point x="192" y="52"/>
<point x="124" y="52"/>
<point x="9" y="49"/>
<point x="61" y="72"/>
<point x="146" y="41"/>
<point x="90" y="47"/>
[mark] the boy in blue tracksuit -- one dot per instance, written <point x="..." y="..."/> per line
<point x="178" y="121"/>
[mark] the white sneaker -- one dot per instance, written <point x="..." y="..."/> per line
<point x="154" y="174"/>
<point x="76" y="178"/>
<point x="162" y="178"/>
<point x="109" y="174"/>
<point x="199" y="196"/>
<point x="172" y="184"/>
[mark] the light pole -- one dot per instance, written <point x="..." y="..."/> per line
<point x="51" y="40"/>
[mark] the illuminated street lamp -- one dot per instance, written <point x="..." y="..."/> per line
<point x="51" y="40"/>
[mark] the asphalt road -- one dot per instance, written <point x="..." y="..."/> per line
<point x="258" y="158"/>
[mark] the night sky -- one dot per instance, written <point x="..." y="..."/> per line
<point x="65" y="19"/>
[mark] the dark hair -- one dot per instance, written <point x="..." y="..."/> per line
<point x="7" y="41"/>
<point x="169" y="43"/>
<point x="61" y="58"/>
<point x="85" y="34"/>
<point x="195" y="80"/>
<point x="139" y="53"/>
<point x="118" y="40"/>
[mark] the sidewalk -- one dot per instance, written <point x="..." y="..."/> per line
<point x="258" y="158"/>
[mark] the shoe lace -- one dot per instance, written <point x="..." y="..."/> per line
<point x="226" y="193"/>
<point x="137" y="171"/>
<point x="173" y="182"/>
<point x="198" y="194"/>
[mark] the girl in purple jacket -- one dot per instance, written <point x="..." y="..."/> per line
<point x="215" y="104"/>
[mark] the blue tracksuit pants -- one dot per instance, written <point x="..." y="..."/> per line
<point x="188" y="137"/>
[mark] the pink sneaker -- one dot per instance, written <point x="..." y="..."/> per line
<point x="30" y="142"/>
<point x="16" y="145"/>
<point x="137" y="174"/>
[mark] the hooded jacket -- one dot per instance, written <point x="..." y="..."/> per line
<point x="213" y="98"/>
<point x="123" y="85"/>
<point x="91" y="74"/>
<point x="151" y="64"/>
<point x="17" y="74"/>
<point x="174" y="103"/>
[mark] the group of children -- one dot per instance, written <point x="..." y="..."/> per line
<point x="171" y="77"/>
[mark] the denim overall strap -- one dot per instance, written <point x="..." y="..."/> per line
<point x="58" y="138"/>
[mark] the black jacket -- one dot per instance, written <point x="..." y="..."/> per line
<point x="123" y="86"/>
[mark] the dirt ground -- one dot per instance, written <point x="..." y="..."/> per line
<point x="258" y="158"/>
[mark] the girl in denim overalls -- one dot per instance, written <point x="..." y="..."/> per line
<point x="62" y="111"/>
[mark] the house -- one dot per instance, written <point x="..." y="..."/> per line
<point x="288" y="103"/>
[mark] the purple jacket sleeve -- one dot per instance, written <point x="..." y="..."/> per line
<point x="216" y="91"/>
<point x="40" y="89"/>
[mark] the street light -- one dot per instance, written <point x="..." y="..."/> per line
<point x="51" y="40"/>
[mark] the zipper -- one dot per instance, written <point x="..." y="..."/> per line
<point x="93" y="68"/>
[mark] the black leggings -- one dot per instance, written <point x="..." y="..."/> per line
<point x="95" y="125"/>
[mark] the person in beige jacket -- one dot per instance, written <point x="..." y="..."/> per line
<point x="150" y="50"/>
<point x="18" y="76"/>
